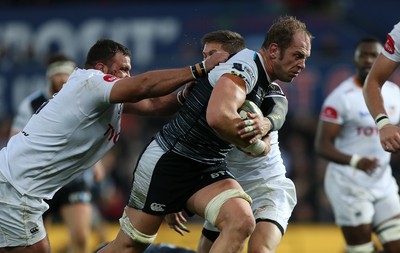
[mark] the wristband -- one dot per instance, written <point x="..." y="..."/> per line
<point x="195" y="74"/>
<point x="203" y="68"/>
<point x="180" y="97"/>
<point x="381" y="120"/>
<point x="198" y="70"/>
<point x="354" y="160"/>
<point x="256" y="148"/>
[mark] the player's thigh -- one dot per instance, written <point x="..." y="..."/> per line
<point x="21" y="222"/>
<point x="273" y="199"/>
<point x="355" y="235"/>
<point x="352" y="204"/>
<point x="388" y="206"/>
<point x="78" y="217"/>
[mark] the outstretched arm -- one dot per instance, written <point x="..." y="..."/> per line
<point x="160" y="82"/>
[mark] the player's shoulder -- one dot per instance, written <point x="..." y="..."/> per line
<point x="90" y="77"/>
<point x="396" y="28"/>
<point x="243" y="55"/>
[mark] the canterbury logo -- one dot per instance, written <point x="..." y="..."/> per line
<point x="34" y="230"/>
<point x="157" y="207"/>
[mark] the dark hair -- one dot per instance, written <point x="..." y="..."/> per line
<point x="369" y="39"/>
<point x="103" y="51"/>
<point x="231" y="42"/>
<point x="282" y="32"/>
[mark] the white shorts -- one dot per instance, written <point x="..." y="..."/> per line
<point x="354" y="205"/>
<point x="21" y="222"/>
<point x="273" y="199"/>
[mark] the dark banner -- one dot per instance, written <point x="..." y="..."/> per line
<point x="160" y="36"/>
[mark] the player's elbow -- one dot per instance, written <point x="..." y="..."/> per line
<point x="215" y="120"/>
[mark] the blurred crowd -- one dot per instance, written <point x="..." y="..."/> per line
<point x="296" y="137"/>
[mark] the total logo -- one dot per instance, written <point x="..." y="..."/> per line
<point x="157" y="207"/>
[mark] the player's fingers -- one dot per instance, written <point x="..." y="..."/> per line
<point x="175" y="228"/>
<point x="248" y="129"/>
<point x="388" y="147"/>
<point x="183" y="227"/>
<point x="248" y="122"/>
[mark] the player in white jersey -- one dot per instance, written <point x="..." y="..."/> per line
<point x="185" y="167"/>
<point x="358" y="180"/>
<point x="71" y="132"/>
<point x="386" y="63"/>
<point x="73" y="201"/>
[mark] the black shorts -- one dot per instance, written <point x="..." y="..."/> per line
<point x="77" y="191"/>
<point x="164" y="181"/>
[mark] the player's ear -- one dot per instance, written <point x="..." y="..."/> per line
<point x="273" y="50"/>
<point x="102" y="67"/>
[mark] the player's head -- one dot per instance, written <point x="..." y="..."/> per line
<point x="287" y="45"/>
<point x="110" y="57"/>
<point x="366" y="52"/>
<point x="222" y="40"/>
<point x="59" y="67"/>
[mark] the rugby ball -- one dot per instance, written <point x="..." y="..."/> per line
<point x="249" y="106"/>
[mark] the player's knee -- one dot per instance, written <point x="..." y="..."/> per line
<point x="361" y="248"/>
<point x="214" y="206"/>
<point x="133" y="233"/>
<point x="389" y="231"/>
<point x="246" y="225"/>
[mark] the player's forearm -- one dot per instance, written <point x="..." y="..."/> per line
<point x="224" y="125"/>
<point x="150" y="84"/>
<point x="373" y="98"/>
<point x="331" y="154"/>
<point x="278" y="108"/>
<point x="161" y="82"/>
<point x="159" y="106"/>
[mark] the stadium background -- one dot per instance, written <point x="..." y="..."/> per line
<point x="164" y="34"/>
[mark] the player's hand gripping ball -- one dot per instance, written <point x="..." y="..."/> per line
<point x="249" y="106"/>
<point x="258" y="146"/>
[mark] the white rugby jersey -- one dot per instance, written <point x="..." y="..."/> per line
<point x="68" y="135"/>
<point x="346" y="106"/>
<point x="392" y="45"/>
<point x="247" y="167"/>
